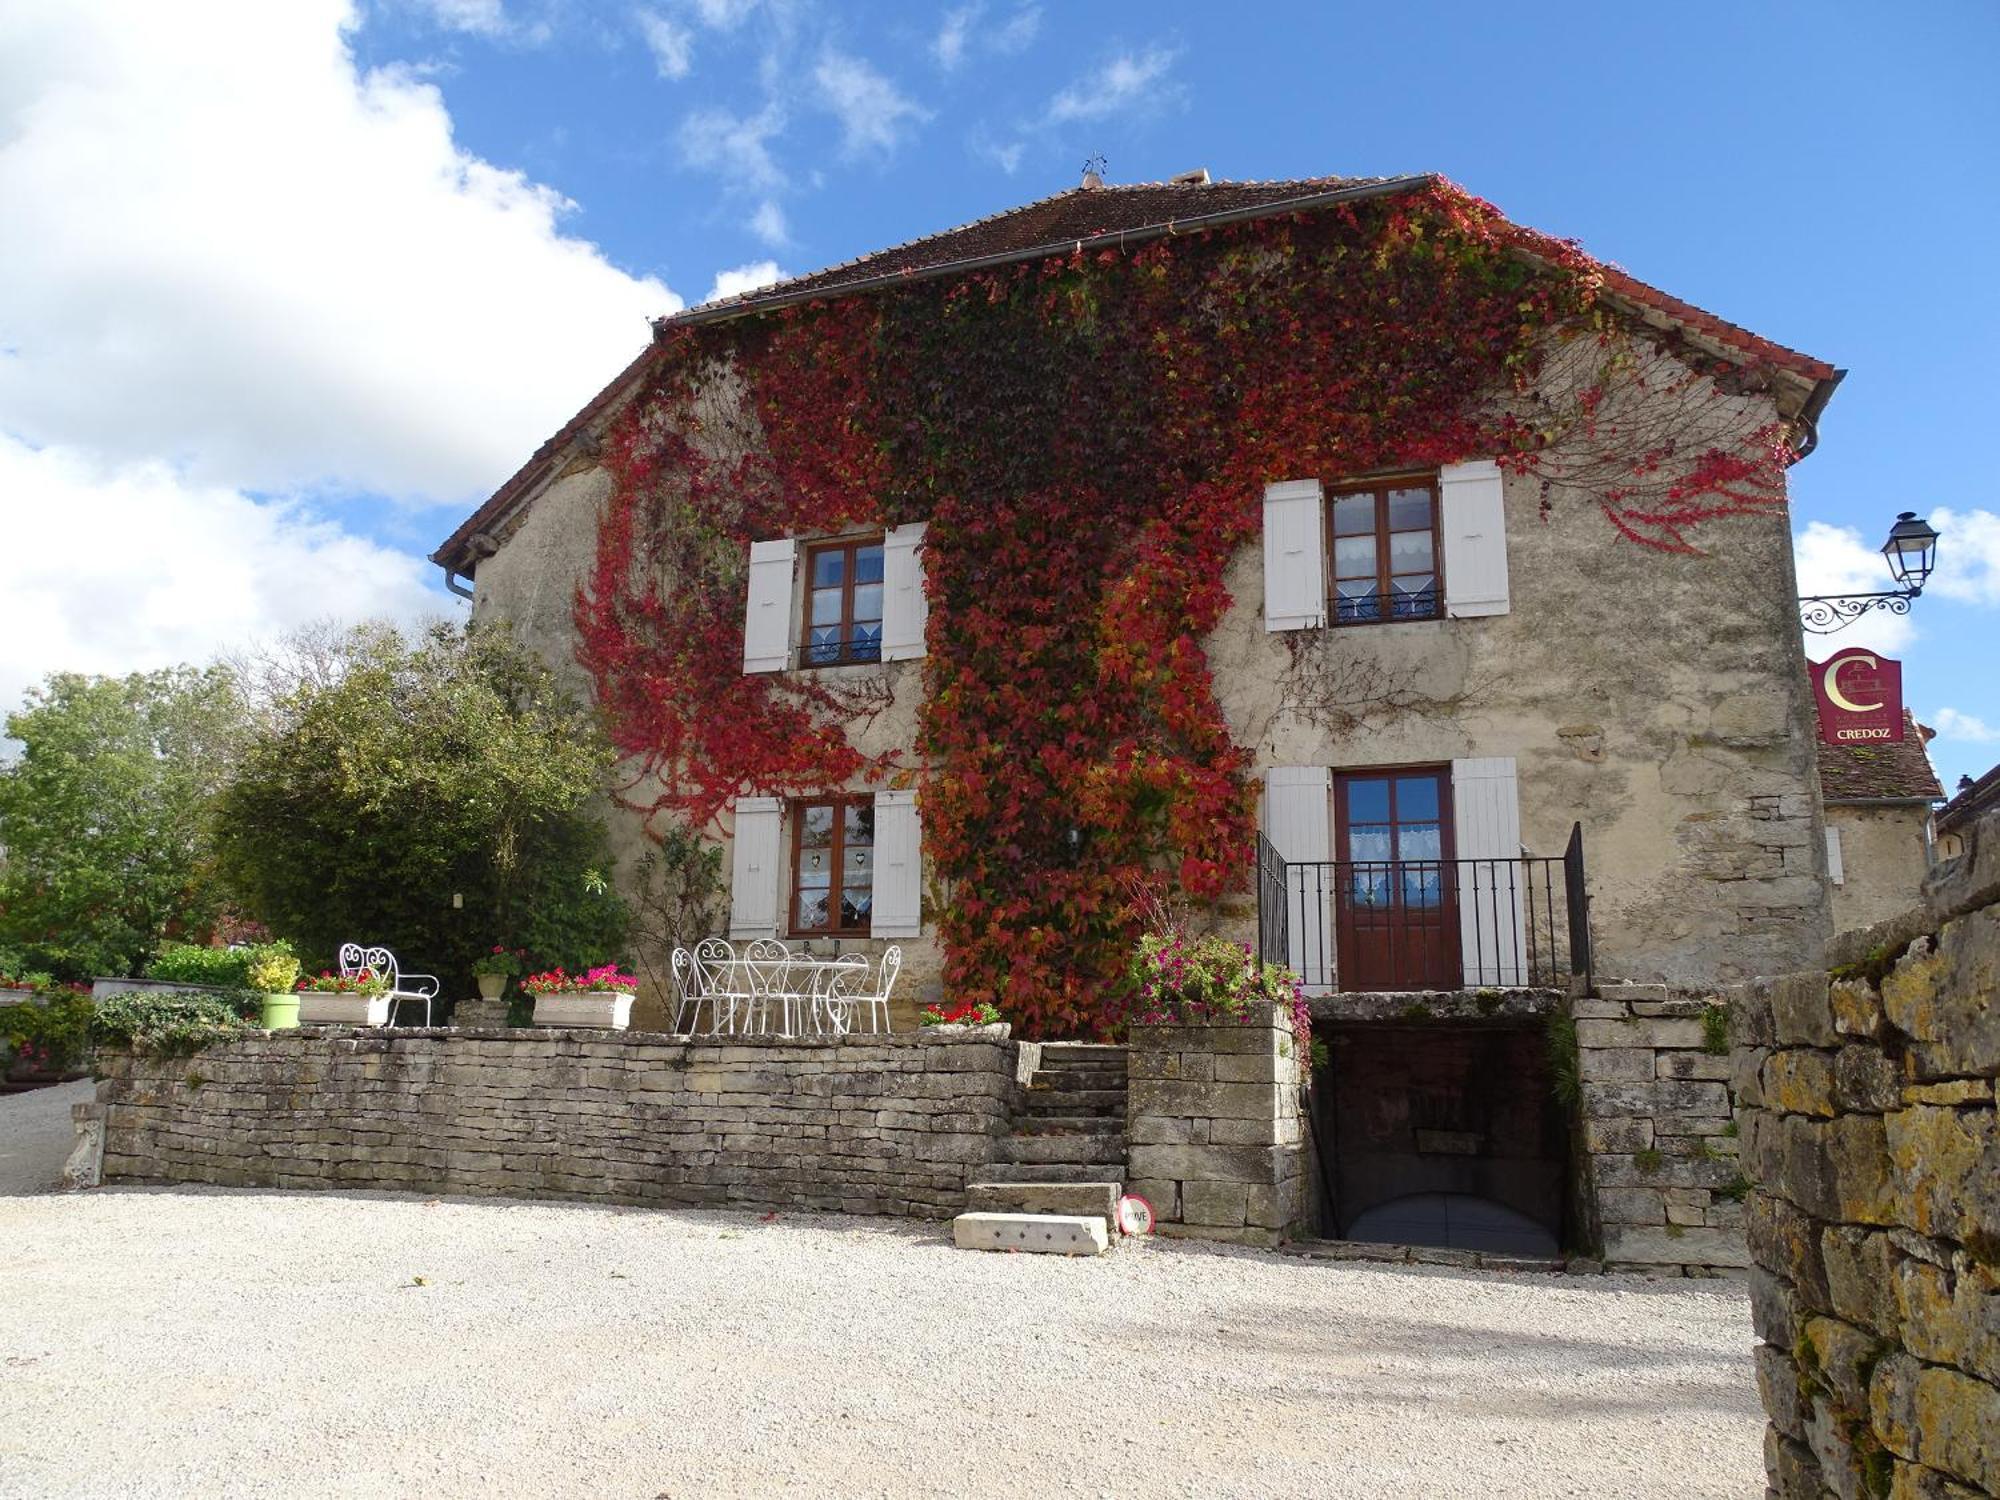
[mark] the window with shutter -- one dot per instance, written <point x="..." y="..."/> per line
<point x="767" y="619"/>
<point x="833" y="867"/>
<point x="1298" y="820"/>
<point x="898" y="866"/>
<point x="905" y="610"/>
<point x="754" y="884"/>
<point x="1294" y="556"/>
<point x="1486" y="808"/>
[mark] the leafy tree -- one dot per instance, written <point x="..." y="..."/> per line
<point x="103" y="815"/>
<point x="414" y="770"/>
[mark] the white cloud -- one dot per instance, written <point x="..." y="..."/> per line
<point x="724" y="15"/>
<point x="735" y="146"/>
<point x="769" y="225"/>
<point x="1953" y="725"/>
<point x="873" y="113"/>
<point x="959" y="33"/>
<point x="481" y="17"/>
<point x="671" y="43"/>
<point x="734" y="283"/>
<point x="1126" y="82"/>
<point x="229" y="250"/>
<point x="1835" y="560"/>
<point x="1968" y="556"/>
<point x="1004" y="155"/>
<point x="122" y="569"/>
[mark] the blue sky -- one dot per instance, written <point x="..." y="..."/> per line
<point x="540" y="174"/>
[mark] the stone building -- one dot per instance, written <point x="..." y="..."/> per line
<point x="1537" y="674"/>
<point x="1878" y="812"/>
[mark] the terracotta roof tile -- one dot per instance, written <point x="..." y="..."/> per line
<point x="1867" y="773"/>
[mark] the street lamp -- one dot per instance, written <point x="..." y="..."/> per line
<point x="1911" y="553"/>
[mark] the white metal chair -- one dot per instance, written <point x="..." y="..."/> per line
<point x="687" y="991"/>
<point x="768" y="966"/>
<point x="723" y="983"/>
<point x="845" y="1001"/>
<point x="833" y="986"/>
<point x="418" y="988"/>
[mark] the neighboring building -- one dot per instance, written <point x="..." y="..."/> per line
<point x="1430" y="668"/>
<point x="1878" y="812"/>
<point x="1968" y="800"/>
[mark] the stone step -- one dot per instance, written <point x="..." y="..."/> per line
<point x="1054" y="1171"/>
<point x="1040" y="1234"/>
<point x="1072" y="1101"/>
<point x="1095" y="1080"/>
<point x="1092" y="1199"/>
<point x="1070" y="1147"/>
<point x="1082" y="1055"/>
<point x="1086" y="1124"/>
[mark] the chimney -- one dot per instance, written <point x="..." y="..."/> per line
<point x="1092" y="180"/>
<point x="1197" y="178"/>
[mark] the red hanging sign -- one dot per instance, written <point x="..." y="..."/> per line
<point x="1860" y="695"/>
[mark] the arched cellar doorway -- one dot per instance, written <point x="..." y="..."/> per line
<point x="1446" y="1135"/>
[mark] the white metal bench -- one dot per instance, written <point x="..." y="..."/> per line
<point x="382" y="963"/>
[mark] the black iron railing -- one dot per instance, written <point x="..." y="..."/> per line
<point x="1358" y="925"/>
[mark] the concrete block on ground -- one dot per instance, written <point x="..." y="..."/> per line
<point x="1040" y="1234"/>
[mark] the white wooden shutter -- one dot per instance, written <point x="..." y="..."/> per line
<point x="1834" y="870"/>
<point x="899" y="871"/>
<point x="1298" y="820"/>
<point x="767" y="618"/>
<point x="754" y="886"/>
<point x="1492" y="897"/>
<point x="904" y="607"/>
<point x="1294" y="555"/>
<point x="1474" y="524"/>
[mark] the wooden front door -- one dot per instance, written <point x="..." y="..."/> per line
<point x="1395" y="910"/>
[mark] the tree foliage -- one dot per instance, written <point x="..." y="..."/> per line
<point x="410" y="771"/>
<point x="103" y="815"/>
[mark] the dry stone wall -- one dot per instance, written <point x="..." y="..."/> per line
<point x="869" y="1125"/>
<point x="1870" y="1138"/>
<point x="1214" y="1131"/>
<point x="1660" y="1143"/>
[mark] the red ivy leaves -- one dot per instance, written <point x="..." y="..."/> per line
<point x="1088" y="438"/>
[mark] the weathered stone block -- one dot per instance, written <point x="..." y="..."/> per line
<point x="1866" y="1081"/>
<point x="1642" y="1245"/>
<point x="1857" y="1008"/>
<point x="1950" y="1315"/>
<point x="1041" y="1234"/>
<point x="1639" y="1033"/>
<point x="1631" y="1206"/>
<point x="1860" y="1286"/>
<point x="1791" y="1468"/>
<point x="1661" y="1096"/>
<point x="1843" y="1357"/>
<point x="1801" y="1012"/>
<point x="1223" y="1204"/>
<point x="1799" y="1081"/>
<point x="1702" y="1065"/>
<point x="1205" y="1163"/>
<point x="1939" y="1417"/>
<point x="1771" y="1307"/>
<point x="1631" y="1135"/>
<point x="1778" y="1384"/>
<point x="1947" y="1171"/>
<point x="1617" y="1064"/>
<point x="1787" y="1242"/>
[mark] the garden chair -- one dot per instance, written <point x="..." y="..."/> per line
<point x="687" y="991"/>
<point x="833" y="985"/>
<point x="415" y="988"/>
<point x="723" y="983"/>
<point x="768" y="966"/>
<point x="846" y="997"/>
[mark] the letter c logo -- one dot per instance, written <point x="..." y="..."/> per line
<point x="1833" y="693"/>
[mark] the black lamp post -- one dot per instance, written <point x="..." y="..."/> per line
<point x="1911" y="552"/>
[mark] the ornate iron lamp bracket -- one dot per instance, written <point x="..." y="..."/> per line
<point x="1823" y="614"/>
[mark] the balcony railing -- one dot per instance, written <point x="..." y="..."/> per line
<point x="1374" y="925"/>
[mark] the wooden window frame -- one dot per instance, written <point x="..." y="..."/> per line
<point x="851" y="546"/>
<point x="1379" y="488"/>
<point x="797" y="810"/>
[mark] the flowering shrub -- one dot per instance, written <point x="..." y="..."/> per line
<point x="506" y="962"/>
<point x="273" y="970"/>
<point x="604" y="979"/>
<point x="221" y="968"/>
<point x="172" y="1025"/>
<point x="361" y="982"/>
<point x="51" y="1039"/>
<point x="1178" y="980"/>
<point x="965" y="1013"/>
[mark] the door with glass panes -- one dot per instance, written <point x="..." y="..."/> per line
<point x="1395" y="911"/>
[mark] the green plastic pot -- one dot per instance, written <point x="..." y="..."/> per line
<point x="281" y="1012"/>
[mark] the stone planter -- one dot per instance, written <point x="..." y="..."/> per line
<point x="491" y="986"/>
<point x="331" y="1008"/>
<point x="281" y="1011"/>
<point x="999" y="1031"/>
<point x="19" y="997"/>
<point x="103" y="988"/>
<point x="606" y="1008"/>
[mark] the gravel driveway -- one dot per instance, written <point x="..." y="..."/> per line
<point x="213" y="1342"/>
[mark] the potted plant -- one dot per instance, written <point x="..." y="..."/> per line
<point x="271" y="974"/>
<point x="965" y="1018"/>
<point x="596" y="997"/>
<point x="494" y="969"/>
<point x="357" y="999"/>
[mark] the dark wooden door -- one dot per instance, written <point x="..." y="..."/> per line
<point x="1394" y="904"/>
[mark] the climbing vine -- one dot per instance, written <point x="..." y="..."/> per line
<point x="1088" y="438"/>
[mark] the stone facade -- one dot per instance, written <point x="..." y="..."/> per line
<point x="892" y="1125"/>
<point x="1884" y="854"/>
<point x="1659" y="1153"/>
<point x="1215" y="1136"/>
<point x="1872" y="1144"/>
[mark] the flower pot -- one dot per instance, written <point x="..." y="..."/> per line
<point x="994" y="1031"/>
<point x="331" y="1008"/>
<point x="492" y="986"/>
<point x="607" y="1008"/>
<point x="281" y="1011"/>
<point x="19" y="997"/>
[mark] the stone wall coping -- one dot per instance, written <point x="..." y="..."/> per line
<point x="605" y="1036"/>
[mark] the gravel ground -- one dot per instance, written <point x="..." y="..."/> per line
<point x="175" y="1342"/>
<point x="36" y="1135"/>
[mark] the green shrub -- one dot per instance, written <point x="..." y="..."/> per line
<point x="219" y="968"/>
<point x="54" y="1038"/>
<point x="169" y="1025"/>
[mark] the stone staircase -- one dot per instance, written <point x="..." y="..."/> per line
<point x="1066" y="1153"/>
